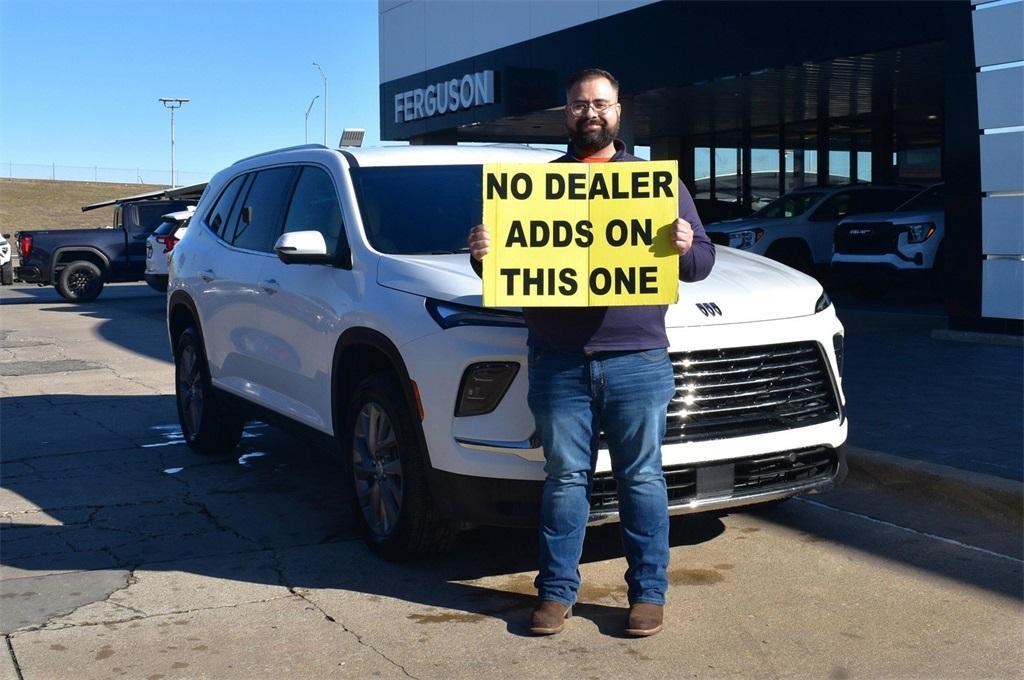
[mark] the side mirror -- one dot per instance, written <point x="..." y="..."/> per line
<point x="303" y="247"/>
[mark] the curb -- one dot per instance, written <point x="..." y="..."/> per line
<point x="974" y="492"/>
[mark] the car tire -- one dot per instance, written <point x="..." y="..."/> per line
<point x="388" y="470"/>
<point x="207" y="426"/>
<point x="7" y="273"/>
<point x="80" y="281"/>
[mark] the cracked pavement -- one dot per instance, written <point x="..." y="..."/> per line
<point x="124" y="554"/>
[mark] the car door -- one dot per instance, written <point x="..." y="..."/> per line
<point x="824" y="221"/>
<point x="241" y="359"/>
<point x="305" y="303"/>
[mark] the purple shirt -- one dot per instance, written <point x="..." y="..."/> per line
<point x="598" y="329"/>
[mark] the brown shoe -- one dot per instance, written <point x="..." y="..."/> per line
<point x="645" y="619"/>
<point x="549" y="617"/>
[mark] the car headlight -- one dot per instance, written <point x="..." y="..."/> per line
<point x="745" y="239"/>
<point x="823" y="303"/>
<point x="449" y="315"/>
<point x="917" y="233"/>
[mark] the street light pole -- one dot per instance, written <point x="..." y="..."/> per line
<point x="310" y="108"/>
<point x="173" y="103"/>
<point x="324" y="78"/>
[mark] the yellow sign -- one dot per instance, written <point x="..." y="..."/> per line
<point x="580" y="234"/>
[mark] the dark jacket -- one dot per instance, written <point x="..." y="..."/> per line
<point x="596" y="329"/>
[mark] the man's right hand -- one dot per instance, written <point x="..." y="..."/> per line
<point x="479" y="242"/>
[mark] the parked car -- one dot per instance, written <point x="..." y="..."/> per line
<point x="6" y="266"/>
<point x="797" y="229"/>
<point x="80" y="261"/>
<point x="331" y="292"/>
<point x="160" y="244"/>
<point x="875" y="251"/>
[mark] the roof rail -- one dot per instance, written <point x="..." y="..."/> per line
<point x="287" y="148"/>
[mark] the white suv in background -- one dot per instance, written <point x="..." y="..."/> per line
<point x="876" y="250"/>
<point x="160" y="244"/>
<point x="331" y="291"/>
<point x="797" y="229"/>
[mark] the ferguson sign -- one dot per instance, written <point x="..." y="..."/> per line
<point x="472" y="89"/>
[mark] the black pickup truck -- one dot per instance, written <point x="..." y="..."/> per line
<point x="79" y="261"/>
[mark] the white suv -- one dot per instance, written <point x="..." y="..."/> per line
<point x="797" y="229"/>
<point x="331" y="290"/>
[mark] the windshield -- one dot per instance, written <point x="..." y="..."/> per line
<point x="789" y="205"/>
<point x="929" y="200"/>
<point x="419" y="210"/>
<point x="166" y="228"/>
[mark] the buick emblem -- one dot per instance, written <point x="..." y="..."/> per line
<point x="709" y="309"/>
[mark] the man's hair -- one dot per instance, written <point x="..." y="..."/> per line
<point x="591" y="74"/>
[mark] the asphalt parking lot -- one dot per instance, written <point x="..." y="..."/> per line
<point x="123" y="554"/>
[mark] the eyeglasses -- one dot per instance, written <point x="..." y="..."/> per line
<point x="578" y="108"/>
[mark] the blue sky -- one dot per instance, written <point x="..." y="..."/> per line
<point x="80" y="81"/>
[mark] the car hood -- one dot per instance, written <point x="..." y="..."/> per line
<point x="743" y="287"/>
<point x="908" y="217"/>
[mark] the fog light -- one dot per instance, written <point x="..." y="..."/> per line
<point x="483" y="386"/>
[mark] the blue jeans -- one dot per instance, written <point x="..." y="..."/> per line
<point x="574" y="397"/>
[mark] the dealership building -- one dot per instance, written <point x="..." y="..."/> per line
<point x="753" y="99"/>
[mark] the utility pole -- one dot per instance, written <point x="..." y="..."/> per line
<point x="324" y="78"/>
<point x="173" y="103"/>
<point x="308" y="109"/>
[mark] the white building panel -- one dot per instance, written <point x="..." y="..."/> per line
<point x="1003" y="220"/>
<point x="1002" y="162"/>
<point x="418" y="35"/>
<point x="1003" y="283"/>
<point x="1001" y="98"/>
<point x="402" y="40"/>
<point x="998" y="34"/>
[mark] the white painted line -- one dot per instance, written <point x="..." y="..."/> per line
<point x="942" y="539"/>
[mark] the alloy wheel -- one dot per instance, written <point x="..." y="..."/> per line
<point x="377" y="467"/>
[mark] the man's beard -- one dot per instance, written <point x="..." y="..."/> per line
<point x="590" y="141"/>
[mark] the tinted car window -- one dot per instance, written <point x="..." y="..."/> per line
<point x="218" y="216"/>
<point x="835" y="207"/>
<point x="264" y="206"/>
<point x="315" y="207"/>
<point x="789" y="205"/>
<point x="419" y="210"/>
<point x="166" y="228"/>
<point x="877" y="200"/>
<point x="930" y="200"/>
<point x="149" y="216"/>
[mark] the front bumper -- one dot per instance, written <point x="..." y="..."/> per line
<point x="691" y="488"/>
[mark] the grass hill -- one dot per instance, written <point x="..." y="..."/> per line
<point x="57" y="204"/>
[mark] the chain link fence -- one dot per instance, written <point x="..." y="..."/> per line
<point x="95" y="173"/>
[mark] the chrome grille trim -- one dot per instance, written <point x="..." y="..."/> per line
<point x="749" y="390"/>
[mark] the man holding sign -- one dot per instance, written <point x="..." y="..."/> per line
<point x="601" y="368"/>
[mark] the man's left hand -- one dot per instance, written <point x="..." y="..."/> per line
<point x="682" y="236"/>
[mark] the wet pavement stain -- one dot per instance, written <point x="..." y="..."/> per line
<point x="105" y="653"/>
<point x="58" y="648"/>
<point x="750" y="530"/>
<point x="811" y="538"/>
<point x="454" y="617"/>
<point x="179" y="664"/>
<point x="694" y="577"/>
<point x="724" y="565"/>
<point x="591" y="592"/>
<point x="638" y="655"/>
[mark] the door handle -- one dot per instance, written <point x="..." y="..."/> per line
<point x="270" y="286"/>
<point x="207" y="275"/>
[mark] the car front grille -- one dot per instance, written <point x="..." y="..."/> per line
<point x="725" y="393"/>
<point x="869" y="238"/>
<point x="738" y="478"/>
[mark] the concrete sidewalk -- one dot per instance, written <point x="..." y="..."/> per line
<point x="933" y="417"/>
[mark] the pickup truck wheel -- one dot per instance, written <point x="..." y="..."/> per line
<point x="7" y="273"/>
<point x="392" y="502"/>
<point x="80" y="281"/>
<point x="206" y="425"/>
